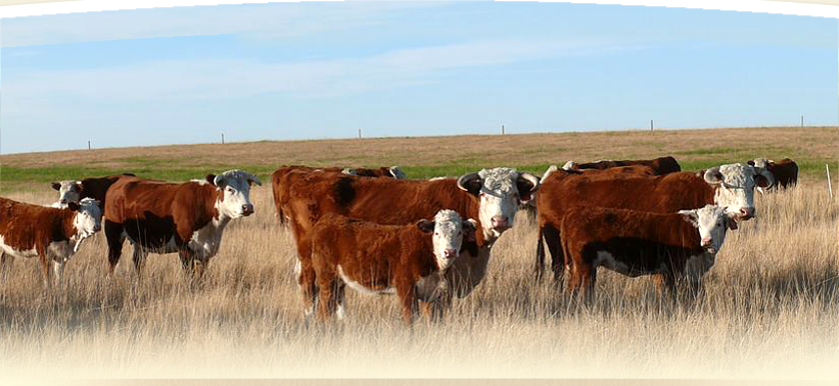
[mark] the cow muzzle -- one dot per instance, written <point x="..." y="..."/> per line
<point x="450" y="253"/>
<point x="746" y="213"/>
<point x="247" y="210"/>
<point x="708" y="245"/>
<point x="500" y="223"/>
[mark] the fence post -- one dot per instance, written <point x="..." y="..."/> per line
<point x="502" y="129"/>
<point x="829" y="186"/>
<point x="651" y="125"/>
<point x="222" y="138"/>
<point x="359" y="133"/>
<point x="88" y="144"/>
<point x="802" y="120"/>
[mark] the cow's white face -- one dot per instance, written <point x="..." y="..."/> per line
<point x="88" y="218"/>
<point x="449" y="232"/>
<point x="501" y="191"/>
<point x="712" y="222"/>
<point x="735" y="185"/>
<point x="68" y="191"/>
<point x="236" y="187"/>
<point x="570" y="165"/>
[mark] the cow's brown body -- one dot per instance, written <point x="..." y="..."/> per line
<point x="283" y="177"/>
<point x="373" y="258"/>
<point x="160" y="217"/>
<point x="630" y="242"/>
<point x="384" y="201"/>
<point x="26" y="227"/>
<point x="660" y="166"/>
<point x="661" y="194"/>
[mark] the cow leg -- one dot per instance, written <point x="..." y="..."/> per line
<point x="551" y="236"/>
<point x="540" y="256"/>
<point x="588" y="276"/>
<point x="307" y="278"/>
<point x="187" y="261"/>
<point x="58" y="269"/>
<point x="115" y="236"/>
<point x="328" y="296"/>
<point x="340" y="292"/>
<point x="139" y="259"/>
<point x="408" y="297"/>
<point x="44" y="261"/>
<point x="6" y="262"/>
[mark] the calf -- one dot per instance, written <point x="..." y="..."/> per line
<point x="785" y="172"/>
<point x="634" y="243"/>
<point x="52" y="234"/>
<point x="186" y="218"/>
<point x="372" y="258"/>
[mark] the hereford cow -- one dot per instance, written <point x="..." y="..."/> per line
<point x="785" y="172"/>
<point x="162" y="217"/>
<point x="731" y="186"/>
<point x="676" y="246"/>
<point x="96" y="188"/>
<point x="283" y="177"/>
<point x="52" y="234"/>
<point x="492" y="196"/>
<point x="410" y="260"/>
<point x="660" y="166"/>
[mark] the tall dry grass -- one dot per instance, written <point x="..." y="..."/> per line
<point x="770" y="310"/>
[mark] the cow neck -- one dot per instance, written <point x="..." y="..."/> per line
<point x="65" y="229"/>
<point x="673" y="229"/>
<point x="216" y="215"/>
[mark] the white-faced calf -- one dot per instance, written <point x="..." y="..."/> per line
<point x="410" y="260"/>
<point x="678" y="246"/>
<point x="52" y="234"/>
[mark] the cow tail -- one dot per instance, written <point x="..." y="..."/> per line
<point x="540" y="256"/>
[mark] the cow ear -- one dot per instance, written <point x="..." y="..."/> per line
<point x="751" y="162"/>
<point x="211" y="178"/>
<point x="425" y="226"/>
<point x="690" y="216"/>
<point x="73" y="206"/>
<point x="471" y="183"/>
<point x="713" y="176"/>
<point x="731" y="222"/>
<point x="527" y="184"/>
<point x="470" y="226"/>
<point x="56" y="185"/>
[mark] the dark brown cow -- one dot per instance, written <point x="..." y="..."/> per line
<point x="491" y="196"/>
<point x="372" y="258"/>
<point x="164" y="217"/>
<point x="731" y="186"/>
<point x="660" y="166"/>
<point x="634" y="243"/>
<point x="283" y="177"/>
<point x="95" y="188"/>
<point x="51" y="234"/>
<point x="785" y="172"/>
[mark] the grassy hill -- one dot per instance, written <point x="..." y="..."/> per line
<point x="423" y="157"/>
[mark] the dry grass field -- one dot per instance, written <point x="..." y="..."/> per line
<point x="770" y="308"/>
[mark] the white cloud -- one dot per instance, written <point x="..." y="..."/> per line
<point x="219" y="79"/>
<point x="254" y="20"/>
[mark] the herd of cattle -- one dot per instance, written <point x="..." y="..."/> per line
<point x="426" y="240"/>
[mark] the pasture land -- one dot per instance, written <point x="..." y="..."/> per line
<point x="425" y="157"/>
<point x="770" y="308"/>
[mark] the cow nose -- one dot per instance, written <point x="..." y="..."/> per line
<point x="747" y="213"/>
<point x="500" y="222"/>
<point x="450" y="253"/>
<point x="706" y="242"/>
<point x="247" y="209"/>
<point x="96" y="228"/>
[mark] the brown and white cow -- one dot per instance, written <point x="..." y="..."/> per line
<point x="187" y="218"/>
<point x="660" y="166"/>
<point x="51" y="234"/>
<point x="785" y="172"/>
<point x="410" y="260"/>
<point x="283" y="177"/>
<point x="492" y="196"/>
<point x="95" y="188"/>
<point x="730" y="185"/>
<point x="675" y="246"/>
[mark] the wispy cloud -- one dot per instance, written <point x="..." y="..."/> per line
<point x="257" y="21"/>
<point x="219" y="79"/>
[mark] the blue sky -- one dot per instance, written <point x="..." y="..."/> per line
<point x="324" y="70"/>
